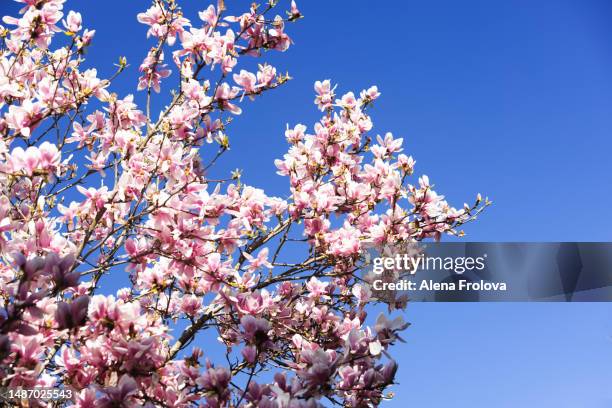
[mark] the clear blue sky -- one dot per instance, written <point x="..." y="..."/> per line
<point x="512" y="99"/>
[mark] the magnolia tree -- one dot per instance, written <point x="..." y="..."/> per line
<point x="236" y="298"/>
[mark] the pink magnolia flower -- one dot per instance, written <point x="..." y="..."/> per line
<point x="45" y="158"/>
<point x="260" y="261"/>
<point x="296" y="134"/>
<point x="69" y="316"/>
<point x="85" y="39"/>
<point x="38" y="23"/>
<point x="224" y="94"/>
<point x="164" y="23"/>
<point x="266" y="74"/>
<point x="28" y="348"/>
<point x="26" y="160"/>
<point x="120" y="395"/>
<point x="249" y="353"/>
<point x="348" y="101"/>
<point x="25" y="117"/>
<point x="49" y="156"/>
<point x="344" y="242"/>
<point x="370" y="94"/>
<point x="255" y="330"/>
<point x="216" y="381"/>
<point x="254" y="303"/>
<point x="153" y="71"/>
<point x="316" y="288"/>
<point x="319" y="366"/>
<point x="97" y="197"/>
<point x="325" y="94"/>
<point x="406" y="163"/>
<point x="294" y="12"/>
<point x="73" y="22"/>
<point x="387" y="146"/>
<point x="246" y="80"/>
<point x="125" y="113"/>
<point x="86" y="398"/>
<point x="209" y="16"/>
<point x="80" y="134"/>
<point x="387" y="329"/>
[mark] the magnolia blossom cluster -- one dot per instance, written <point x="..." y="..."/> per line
<point x="96" y="188"/>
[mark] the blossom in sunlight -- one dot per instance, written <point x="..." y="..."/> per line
<point x="99" y="187"/>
